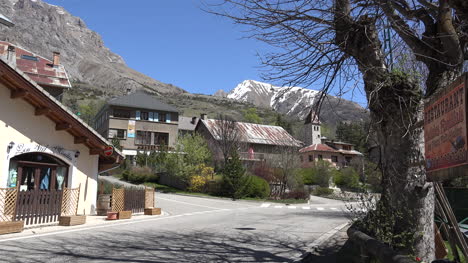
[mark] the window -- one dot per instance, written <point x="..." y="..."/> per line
<point x="29" y="57"/>
<point x="162" y="117"/>
<point x="143" y="137"/>
<point x="118" y="113"/>
<point x="311" y="158"/>
<point x="144" y="115"/>
<point x="334" y="159"/>
<point x="161" y="138"/>
<point x="347" y="147"/>
<point x="117" y="133"/>
<point x="348" y="159"/>
<point x="320" y="157"/>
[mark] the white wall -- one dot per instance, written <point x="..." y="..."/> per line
<point x="18" y="124"/>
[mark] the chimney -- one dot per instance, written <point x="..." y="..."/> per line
<point x="203" y="116"/>
<point x="194" y="120"/>
<point x="56" y="60"/>
<point x="11" y="56"/>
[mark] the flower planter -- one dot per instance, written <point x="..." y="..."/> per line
<point x="125" y="214"/>
<point x="112" y="216"/>
<point x="11" y="227"/>
<point x="72" y="220"/>
<point x="152" y="211"/>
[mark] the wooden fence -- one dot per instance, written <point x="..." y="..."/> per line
<point x="7" y="204"/>
<point x="38" y="206"/>
<point x="70" y="201"/>
<point x="132" y="199"/>
<point x="135" y="200"/>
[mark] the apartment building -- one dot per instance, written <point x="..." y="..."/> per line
<point x="139" y="121"/>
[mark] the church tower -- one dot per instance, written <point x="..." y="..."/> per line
<point x="312" y="133"/>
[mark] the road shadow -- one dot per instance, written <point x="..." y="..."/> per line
<point x="154" y="246"/>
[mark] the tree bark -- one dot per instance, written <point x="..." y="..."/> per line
<point x="404" y="215"/>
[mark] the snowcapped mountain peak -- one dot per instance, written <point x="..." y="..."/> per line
<point x="295" y="101"/>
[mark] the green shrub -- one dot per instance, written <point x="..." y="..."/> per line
<point x="320" y="174"/>
<point x="257" y="187"/>
<point x="323" y="191"/>
<point x="346" y="178"/>
<point x="139" y="175"/>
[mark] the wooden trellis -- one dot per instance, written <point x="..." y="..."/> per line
<point x="8" y="204"/>
<point x="70" y="201"/>
<point x="149" y="197"/>
<point x="118" y="199"/>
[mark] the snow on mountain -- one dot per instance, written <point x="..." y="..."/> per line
<point x="296" y="101"/>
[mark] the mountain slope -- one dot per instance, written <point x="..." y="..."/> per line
<point x="296" y="102"/>
<point x="43" y="28"/>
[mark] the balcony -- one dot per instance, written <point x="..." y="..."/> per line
<point x="246" y="156"/>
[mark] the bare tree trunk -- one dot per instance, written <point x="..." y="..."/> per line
<point x="405" y="213"/>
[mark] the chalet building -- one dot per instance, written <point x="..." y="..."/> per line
<point x="139" y="121"/>
<point x="45" y="148"/>
<point x="49" y="74"/>
<point x="339" y="154"/>
<point x="258" y="142"/>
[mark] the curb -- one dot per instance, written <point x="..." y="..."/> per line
<point x="322" y="239"/>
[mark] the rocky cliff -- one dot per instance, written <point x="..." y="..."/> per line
<point x="43" y="28"/>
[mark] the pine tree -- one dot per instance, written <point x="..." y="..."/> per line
<point x="234" y="182"/>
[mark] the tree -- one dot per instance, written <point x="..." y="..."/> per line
<point x="227" y="136"/>
<point x="234" y="180"/>
<point x="354" y="133"/>
<point x="329" y="41"/>
<point x="285" y="160"/>
<point x="250" y="115"/>
<point x="280" y="121"/>
<point x="195" y="148"/>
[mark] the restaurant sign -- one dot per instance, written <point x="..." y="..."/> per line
<point x="445" y="133"/>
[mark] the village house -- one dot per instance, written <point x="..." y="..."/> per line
<point x="187" y="125"/>
<point x="338" y="154"/>
<point x="49" y="74"/>
<point x="45" y="148"/>
<point x="258" y="142"/>
<point x="139" y="121"/>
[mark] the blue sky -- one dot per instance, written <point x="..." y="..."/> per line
<point x="174" y="41"/>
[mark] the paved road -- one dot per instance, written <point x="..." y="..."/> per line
<point x="193" y="230"/>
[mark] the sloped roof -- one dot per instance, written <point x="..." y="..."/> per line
<point x="256" y="133"/>
<point x="142" y="100"/>
<point x="185" y="123"/>
<point x="318" y="148"/>
<point x="22" y="86"/>
<point x="38" y="68"/>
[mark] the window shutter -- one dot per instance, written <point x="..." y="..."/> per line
<point x="156" y="116"/>
<point x="151" y="116"/>
<point x="137" y="115"/>
<point x="168" y="117"/>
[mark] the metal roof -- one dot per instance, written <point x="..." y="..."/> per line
<point x="41" y="70"/>
<point x="186" y="123"/>
<point x="141" y="100"/>
<point x="257" y="133"/>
